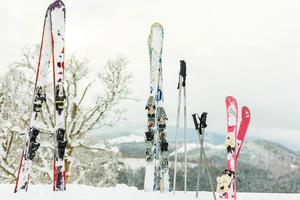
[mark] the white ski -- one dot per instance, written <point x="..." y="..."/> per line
<point x="157" y="170"/>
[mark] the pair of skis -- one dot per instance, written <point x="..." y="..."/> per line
<point x="51" y="50"/>
<point x="226" y="184"/>
<point x="157" y="170"/>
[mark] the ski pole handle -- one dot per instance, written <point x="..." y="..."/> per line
<point x="195" y="121"/>
<point x="203" y="120"/>
<point x="183" y="71"/>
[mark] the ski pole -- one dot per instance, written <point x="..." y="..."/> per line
<point x="183" y="74"/>
<point x="199" y="165"/>
<point x="206" y="165"/>
<point x="177" y="130"/>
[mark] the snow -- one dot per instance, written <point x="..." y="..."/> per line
<point x="149" y="176"/>
<point x="126" y="139"/>
<point x="189" y="147"/>
<point x="192" y="146"/>
<point x="115" y="149"/>
<point x="121" y="192"/>
<point x="212" y="146"/>
<point x="134" y="163"/>
<point x="294" y="167"/>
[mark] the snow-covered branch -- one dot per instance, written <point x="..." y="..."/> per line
<point x="87" y="108"/>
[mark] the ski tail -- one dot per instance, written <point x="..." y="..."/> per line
<point x="246" y="115"/>
<point x="19" y="171"/>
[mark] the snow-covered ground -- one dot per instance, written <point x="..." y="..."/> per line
<point x="120" y="192"/>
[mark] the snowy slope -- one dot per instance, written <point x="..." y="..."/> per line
<point x="121" y="192"/>
<point x="126" y="139"/>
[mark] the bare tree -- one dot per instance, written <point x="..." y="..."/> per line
<point x="92" y="102"/>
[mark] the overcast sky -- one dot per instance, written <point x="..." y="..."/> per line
<point x="248" y="49"/>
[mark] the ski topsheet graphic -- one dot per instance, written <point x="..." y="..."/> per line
<point x="226" y="184"/>
<point x="243" y="129"/>
<point x="157" y="170"/>
<point x="51" y="51"/>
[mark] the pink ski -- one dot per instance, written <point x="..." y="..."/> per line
<point x="246" y="115"/>
<point x="227" y="182"/>
<point x="232" y="122"/>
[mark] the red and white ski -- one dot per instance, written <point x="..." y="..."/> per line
<point x="51" y="50"/>
<point x="58" y="54"/>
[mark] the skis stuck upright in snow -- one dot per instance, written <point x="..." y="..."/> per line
<point x="157" y="169"/>
<point x="226" y="184"/>
<point x="51" y="50"/>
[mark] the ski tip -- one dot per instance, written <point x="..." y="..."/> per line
<point x="230" y="99"/>
<point x="156" y="25"/>
<point x="246" y="112"/>
<point x="156" y="33"/>
<point x="56" y="4"/>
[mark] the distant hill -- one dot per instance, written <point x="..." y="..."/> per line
<point x="191" y="135"/>
<point x="263" y="166"/>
